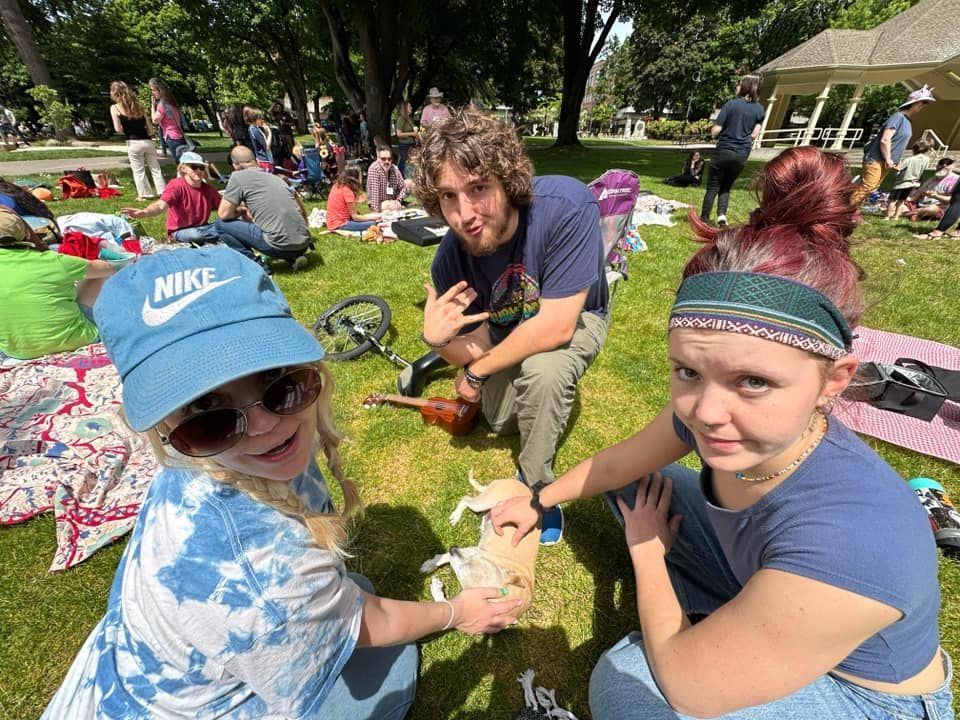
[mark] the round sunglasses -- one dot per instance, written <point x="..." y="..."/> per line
<point x="212" y="432"/>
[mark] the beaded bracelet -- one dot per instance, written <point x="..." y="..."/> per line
<point x="435" y="345"/>
<point x="473" y="380"/>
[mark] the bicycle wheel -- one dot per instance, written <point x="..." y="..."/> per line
<point x="343" y="329"/>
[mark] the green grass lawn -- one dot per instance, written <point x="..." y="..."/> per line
<point x="411" y="475"/>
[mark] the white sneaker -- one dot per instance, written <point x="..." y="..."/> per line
<point x="721" y="220"/>
<point x="300" y="263"/>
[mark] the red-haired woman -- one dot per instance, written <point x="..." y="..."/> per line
<point x="806" y="560"/>
<point x="735" y="128"/>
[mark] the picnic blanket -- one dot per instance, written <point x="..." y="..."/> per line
<point x="939" y="437"/>
<point x="65" y="447"/>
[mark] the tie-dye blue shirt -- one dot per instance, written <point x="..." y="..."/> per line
<point x="222" y="606"/>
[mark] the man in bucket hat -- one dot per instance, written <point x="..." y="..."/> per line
<point x="435" y="111"/>
<point x="883" y="153"/>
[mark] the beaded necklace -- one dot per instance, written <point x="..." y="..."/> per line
<point x="822" y="431"/>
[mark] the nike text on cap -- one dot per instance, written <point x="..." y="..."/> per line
<point x="182" y="322"/>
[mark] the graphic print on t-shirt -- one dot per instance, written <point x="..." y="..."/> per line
<point x="514" y="297"/>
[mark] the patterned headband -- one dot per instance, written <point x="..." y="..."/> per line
<point x="764" y="306"/>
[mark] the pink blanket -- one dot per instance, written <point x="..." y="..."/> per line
<point x="66" y="448"/>
<point x="940" y="437"/>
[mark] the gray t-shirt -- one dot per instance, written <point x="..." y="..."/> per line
<point x="902" y="130"/>
<point x="273" y="208"/>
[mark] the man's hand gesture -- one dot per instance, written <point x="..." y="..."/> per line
<point x="444" y="315"/>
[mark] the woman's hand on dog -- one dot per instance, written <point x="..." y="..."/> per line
<point x="648" y="524"/>
<point x="514" y="511"/>
<point x="474" y="614"/>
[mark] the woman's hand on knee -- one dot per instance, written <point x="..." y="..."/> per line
<point x="475" y="614"/>
<point x="648" y="522"/>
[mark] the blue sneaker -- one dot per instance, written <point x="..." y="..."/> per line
<point x="551" y="529"/>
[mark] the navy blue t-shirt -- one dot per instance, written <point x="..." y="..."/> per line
<point x="845" y="518"/>
<point x="556" y="252"/>
<point x="738" y="118"/>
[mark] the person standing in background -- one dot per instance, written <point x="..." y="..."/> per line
<point x="735" y="128"/>
<point x="406" y="133"/>
<point x="130" y="121"/>
<point x="435" y="111"/>
<point x="882" y="154"/>
<point x="166" y="116"/>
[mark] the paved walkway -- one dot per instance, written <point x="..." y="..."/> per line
<point x="13" y="169"/>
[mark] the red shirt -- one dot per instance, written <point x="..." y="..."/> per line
<point x="338" y="212"/>
<point x="188" y="206"/>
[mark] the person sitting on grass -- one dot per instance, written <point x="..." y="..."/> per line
<point x="231" y="598"/>
<point x="929" y="201"/>
<point x="691" y="174"/>
<point x="908" y="179"/>
<point x="188" y="201"/>
<point x="951" y="217"/>
<point x="761" y="592"/>
<point x="345" y="197"/>
<point x="46" y="298"/>
<point x="259" y="212"/>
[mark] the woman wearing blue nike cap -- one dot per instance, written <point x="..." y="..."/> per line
<point x="232" y="599"/>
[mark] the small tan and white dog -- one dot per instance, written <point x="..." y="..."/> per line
<point x="494" y="561"/>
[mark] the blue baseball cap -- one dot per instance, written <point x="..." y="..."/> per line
<point x="182" y="322"/>
<point x="191" y="158"/>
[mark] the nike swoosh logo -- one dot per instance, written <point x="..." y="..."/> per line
<point x="153" y="317"/>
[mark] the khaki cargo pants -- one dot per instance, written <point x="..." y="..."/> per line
<point x="535" y="397"/>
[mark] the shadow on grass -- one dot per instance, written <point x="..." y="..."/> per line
<point x="389" y="543"/>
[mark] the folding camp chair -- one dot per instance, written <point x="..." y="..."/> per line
<point x="616" y="191"/>
<point x="310" y="176"/>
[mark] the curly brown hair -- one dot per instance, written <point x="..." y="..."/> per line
<point x="479" y="145"/>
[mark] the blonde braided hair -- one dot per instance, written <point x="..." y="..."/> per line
<point x="329" y="530"/>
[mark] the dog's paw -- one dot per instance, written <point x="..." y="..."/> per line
<point x="436" y="589"/>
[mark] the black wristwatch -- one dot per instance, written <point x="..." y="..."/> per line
<point x="535" y="499"/>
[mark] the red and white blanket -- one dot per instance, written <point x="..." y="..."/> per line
<point x="65" y="447"/>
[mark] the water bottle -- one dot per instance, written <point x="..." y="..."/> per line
<point x="944" y="518"/>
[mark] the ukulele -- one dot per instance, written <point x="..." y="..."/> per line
<point x="455" y="416"/>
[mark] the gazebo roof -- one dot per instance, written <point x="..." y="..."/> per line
<point x="925" y="34"/>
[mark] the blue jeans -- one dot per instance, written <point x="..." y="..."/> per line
<point x="622" y="685"/>
<point x="376" y="682"/>
<point x="356" y="225"/>
<point x="199" y="235"/>
<point x="176" y="148"/>
<point x="245" y="237"/>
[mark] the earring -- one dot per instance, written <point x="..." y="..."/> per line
<point x="827" y="407"/>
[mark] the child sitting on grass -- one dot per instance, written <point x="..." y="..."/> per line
<point x="908" y="178"/>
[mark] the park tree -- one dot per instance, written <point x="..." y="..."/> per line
<point x="21" y="35"/>
<point x="585" y="33"/>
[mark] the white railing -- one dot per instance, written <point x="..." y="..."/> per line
<point x="792" y="136"/>
<point x="846" y="137"/>
<point x="940" y="148"/>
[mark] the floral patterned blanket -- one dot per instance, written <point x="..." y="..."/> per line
<point x="65" y="447"/>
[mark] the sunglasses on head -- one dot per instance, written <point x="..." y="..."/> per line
<point x="212" y="432"/>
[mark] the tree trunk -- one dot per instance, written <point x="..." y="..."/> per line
<point x="20" y="34"/>
<point x="579" y="55"/>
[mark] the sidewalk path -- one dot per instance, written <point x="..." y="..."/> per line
<point x="12" y="170"/>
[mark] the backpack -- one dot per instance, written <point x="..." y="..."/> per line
<point x="72" y="187"/>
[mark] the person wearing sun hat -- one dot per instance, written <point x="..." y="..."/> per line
<point x="231" y="598"/>
<point x="188" y="201"/>
<point x="882" y="154"/>
<point x="435" y="111"/>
